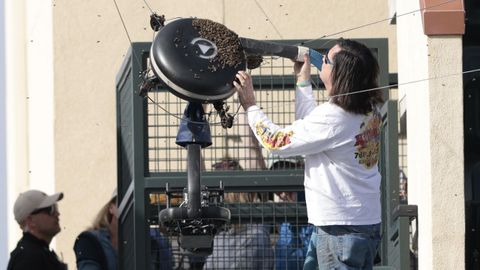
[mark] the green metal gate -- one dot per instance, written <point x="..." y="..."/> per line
<point x="148" y="159"/>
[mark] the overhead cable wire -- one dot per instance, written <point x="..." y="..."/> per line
<point x="126" y="32"/>
<point x="345" y="94"/>
<point x="394" y="85"/>
<point x="148" y="6"/>
<point x="384" y="87"/>
<point x="379" y="21"/>
<point x="139" y="63"/>
<point x="410" y="82"/>
<point x="123" y="22"/>
<point x="269" y="20"/>
<point x="152" y="13"/>
<point x="304" y="43"/>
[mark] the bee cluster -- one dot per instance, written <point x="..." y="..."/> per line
<point x="230" y="52"/>
<point x="254" y="61"/>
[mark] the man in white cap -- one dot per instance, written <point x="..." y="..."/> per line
<point x="37" y="214"/>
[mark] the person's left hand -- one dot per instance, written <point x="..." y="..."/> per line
<point x="244" y="87"/>
<point x="302" y="69"/>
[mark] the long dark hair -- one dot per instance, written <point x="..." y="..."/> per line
<point x="355" y="69"/>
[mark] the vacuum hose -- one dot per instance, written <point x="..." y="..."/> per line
<point x="295" y="53"/>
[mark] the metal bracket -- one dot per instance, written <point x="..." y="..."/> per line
<point x="226" y="118"/>
<point x="157" y="21"/>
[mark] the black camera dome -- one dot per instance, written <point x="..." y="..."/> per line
<point x="190" y="60"/>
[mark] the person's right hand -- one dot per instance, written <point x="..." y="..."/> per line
<point x="244" y="86"/>
<point x="302" y="70"/>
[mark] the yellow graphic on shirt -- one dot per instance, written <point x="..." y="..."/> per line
<point x="368" y="141"/>
<point x="272" y="140"/>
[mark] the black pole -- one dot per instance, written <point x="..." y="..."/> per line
<point x="193" y="174"/>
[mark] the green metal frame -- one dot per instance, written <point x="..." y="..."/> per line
<point x="396" y="218"/>
<point x="134" y="180"/>
<point x="131" y="145"/>
<point x="389" y="187"/>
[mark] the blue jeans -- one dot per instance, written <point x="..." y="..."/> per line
<point x="342" y="247"/>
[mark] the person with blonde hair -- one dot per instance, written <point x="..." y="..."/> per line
<point x="97" y="247"/>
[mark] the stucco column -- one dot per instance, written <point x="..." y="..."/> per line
<point x="446" y="157"/>
<point x="435" y="138"/>
<point x="29" y="102"/>
<point x="16" y="110"/>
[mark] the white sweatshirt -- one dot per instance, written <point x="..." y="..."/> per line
<point x="342" y="182"/>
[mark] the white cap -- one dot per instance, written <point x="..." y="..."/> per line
<point x="31" y="200"/>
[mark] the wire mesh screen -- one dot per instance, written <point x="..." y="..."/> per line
<point x="275" y="94"/>
<point x="263" y="234"/>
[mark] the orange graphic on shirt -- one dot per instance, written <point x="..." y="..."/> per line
<point x="272" y="140"/>
<point x="368" y="141"/>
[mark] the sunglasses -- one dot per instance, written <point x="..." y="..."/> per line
<point x="326" y="60"/>
<point x="51" y="210"/>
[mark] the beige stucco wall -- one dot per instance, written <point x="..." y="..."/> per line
<point x="435" y="138"/>
<point x="89" y="44"/>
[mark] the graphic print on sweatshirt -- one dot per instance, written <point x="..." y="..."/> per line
<point x="368" y="141"/>
<point x="272" y="140"/>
